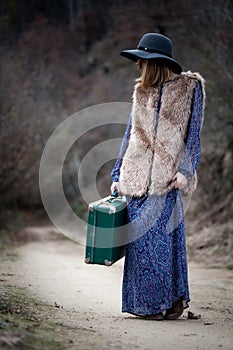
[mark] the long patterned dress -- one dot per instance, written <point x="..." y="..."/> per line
<point x="155" y="270"/>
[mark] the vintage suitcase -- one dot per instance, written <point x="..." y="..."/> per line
<point x="106" y="234"/>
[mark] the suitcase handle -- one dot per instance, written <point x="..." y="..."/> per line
<point x="114" y="194"/>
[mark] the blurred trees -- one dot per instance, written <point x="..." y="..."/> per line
<point x="59" y="56"/>
<point x="86" y="17"/>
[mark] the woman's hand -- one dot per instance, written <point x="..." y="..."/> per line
<point x="179" y="180"/>
<point x="114" y="187"/>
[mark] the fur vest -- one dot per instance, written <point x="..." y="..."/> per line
<point x="157" y="140"/>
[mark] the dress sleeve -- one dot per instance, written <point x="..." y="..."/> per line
<point x="124" y="144"/>
<point x="192" y="151"/>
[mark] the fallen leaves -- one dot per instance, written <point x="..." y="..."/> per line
<point x="191" y="316"/>
<point x="58" y="305"/>
<point x="208" y="323"/>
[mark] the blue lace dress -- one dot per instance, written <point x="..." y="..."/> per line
<point x="155" y="269"/>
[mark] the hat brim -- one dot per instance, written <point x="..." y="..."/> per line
<point x="134" y="55"/>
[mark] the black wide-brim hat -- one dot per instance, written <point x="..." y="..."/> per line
<point x="154" y="46"/>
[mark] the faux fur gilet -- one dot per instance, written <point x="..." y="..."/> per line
<point x="157" y="138"/>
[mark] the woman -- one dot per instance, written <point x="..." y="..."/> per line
<point x="158" y="158"/>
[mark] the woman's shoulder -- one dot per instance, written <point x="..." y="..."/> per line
<point x="190" y="80"/>
<point x="192" y="76"/>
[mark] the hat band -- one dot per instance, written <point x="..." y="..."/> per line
<point x="154" y="51"/>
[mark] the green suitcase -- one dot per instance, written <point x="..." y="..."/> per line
<point x="106" y="231"/>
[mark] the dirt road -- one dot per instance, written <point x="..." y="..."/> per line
<point x="89" y="301"/>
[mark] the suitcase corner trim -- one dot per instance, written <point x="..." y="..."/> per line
<point x="107" y="262"/>
<point x="87" y="260"/>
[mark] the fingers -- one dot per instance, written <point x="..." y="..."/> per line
<point x="178" y="185"/>
<point x="179" y="181"/>
<point x="114" y="187"/>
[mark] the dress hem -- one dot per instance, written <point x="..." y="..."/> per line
<point x="138" y="313"/>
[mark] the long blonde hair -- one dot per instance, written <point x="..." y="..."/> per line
<point x="153" y="73"/>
